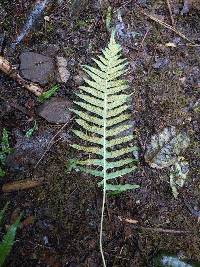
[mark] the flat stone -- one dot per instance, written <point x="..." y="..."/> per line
<point x="56" y="110"/>
<point x="37" y="68"/>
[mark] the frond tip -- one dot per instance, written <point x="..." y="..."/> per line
<point x="103" y="119"/>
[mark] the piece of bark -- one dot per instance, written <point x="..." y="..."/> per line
<point x="21" y="185"/>
<point x="7" y="68"/>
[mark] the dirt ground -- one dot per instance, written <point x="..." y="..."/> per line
<point x="164" y="77"/>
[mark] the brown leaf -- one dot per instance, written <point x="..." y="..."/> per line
<point x="21" y="185"/>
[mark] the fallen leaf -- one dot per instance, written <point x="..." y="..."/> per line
<point x="21" y="185"/>
<point x="165" y="147"/>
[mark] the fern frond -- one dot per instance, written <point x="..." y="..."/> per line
<point x="103" y="116"/>
<point x="103" y="121"/>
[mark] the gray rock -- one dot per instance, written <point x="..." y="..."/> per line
<point x="186" y="7"/>
<point x="56" y="110"/>
<point x="37" y="68"/>
<point x="28" y="150"/>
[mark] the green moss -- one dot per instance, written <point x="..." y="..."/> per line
<point x="83" y="23"/>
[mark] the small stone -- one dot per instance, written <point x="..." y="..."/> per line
<point x="63" y="73"/>
<point x="37" y="68"/>
<point x="47" y="18"/>
<point x="56" y="110"/>
<point x="78" y="79"/>
<point x="143" y="3"/>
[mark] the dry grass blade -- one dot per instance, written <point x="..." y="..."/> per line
<point x="164" y="24"/>
<point x="170" y="12"/>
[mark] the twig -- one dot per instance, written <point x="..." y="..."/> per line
<point x="164" y="24"/>
<point x="146" y="33"/>
<point x="7" y="68"/>
<point x="170" y="12"/>
<point x="161" y="230"/>
<point x="153" y="229"/>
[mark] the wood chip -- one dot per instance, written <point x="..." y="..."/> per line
<point x="131" y="221"/>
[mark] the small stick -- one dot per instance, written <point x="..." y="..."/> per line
<point x="164" y="24"/>
<point x="170" y="12"/>
<point x="7" y="68"/>
<point x="159" y="230"/>
<point x="146" y="33"/>
<point x="21" y="185"/>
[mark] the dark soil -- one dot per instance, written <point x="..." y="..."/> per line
<point x="165" y="82"/>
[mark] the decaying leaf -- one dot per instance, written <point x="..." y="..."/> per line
<point x="21" y="185"/>
<point x="178" y="174"/>
<point x="165" y="147"/>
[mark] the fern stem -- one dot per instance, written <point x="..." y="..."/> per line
<point x="101" y="228"/>
<point x="104" y="176"/>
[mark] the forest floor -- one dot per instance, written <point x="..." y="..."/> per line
<point x="63" y="214"/>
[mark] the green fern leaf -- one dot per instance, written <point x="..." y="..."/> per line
<point x="121" y="188"/>
<point x="102" y="117"/>
<point x="8" y="241"/>
<point x="2" y="212"/>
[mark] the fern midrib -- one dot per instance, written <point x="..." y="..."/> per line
<point x="104" y="160"/>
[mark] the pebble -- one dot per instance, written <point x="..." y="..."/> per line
<point x="63" y="73"/>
